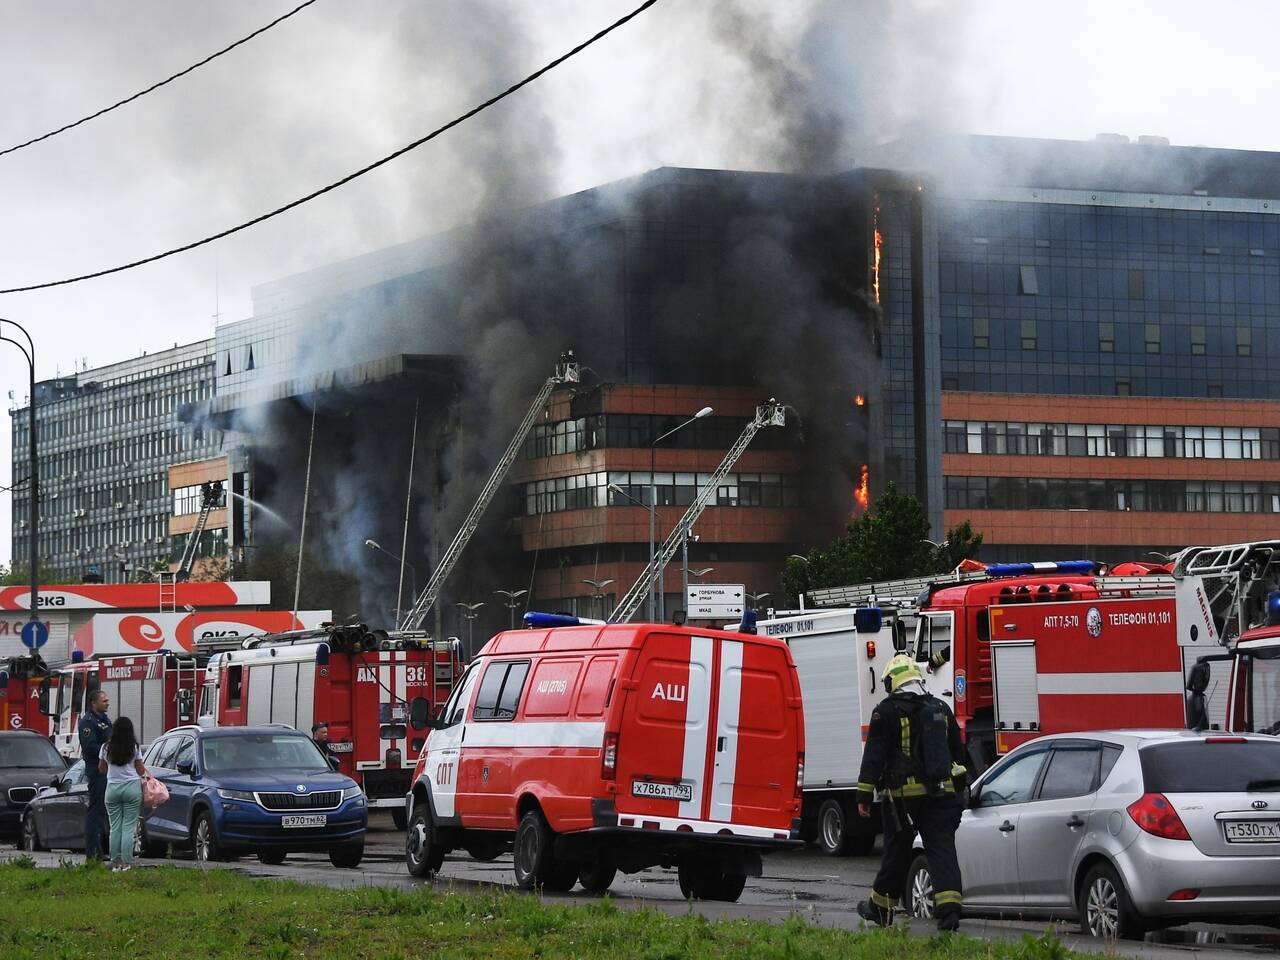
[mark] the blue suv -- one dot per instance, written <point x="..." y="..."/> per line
<point x="269" y="790"/>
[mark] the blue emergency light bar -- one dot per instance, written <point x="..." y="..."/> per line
<point x="533" y="619"/>
<point x="1079" y="567"/>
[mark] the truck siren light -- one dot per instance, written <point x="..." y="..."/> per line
<point x="1083" y="567"/>
<point x="1273" y="608"/>
<point x="533" y="620"/>
<point x="77" y="656"/>
<point x="867" y="620"/>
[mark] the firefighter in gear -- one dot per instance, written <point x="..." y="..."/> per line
<point x="95" y="731"/>
<point x="914" y="760"/>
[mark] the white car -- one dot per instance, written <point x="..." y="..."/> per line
<point x="1127" y="830"/>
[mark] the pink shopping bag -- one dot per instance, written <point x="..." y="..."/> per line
<point x="154" y="793"/>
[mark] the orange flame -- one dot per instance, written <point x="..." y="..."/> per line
<point x="863" y="493"/>
<point x="875" y="263"/>
<point x="859" y="400"/>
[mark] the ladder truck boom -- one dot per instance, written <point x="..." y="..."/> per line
<point x="770" y="414"/>
<point x="566" y="372"/>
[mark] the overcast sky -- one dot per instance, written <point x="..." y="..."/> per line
<point x="715" y="83"/>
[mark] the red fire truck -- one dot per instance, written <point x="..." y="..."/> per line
<point x="20" y="683"/>
<point x="156" y="691"/>
<point x="362" y="684"/>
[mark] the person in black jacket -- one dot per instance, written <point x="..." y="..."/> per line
<point x="95" y="731"/>
<point x="914" y="759"/>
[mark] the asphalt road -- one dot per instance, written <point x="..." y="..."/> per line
<point x="820" y="889"/>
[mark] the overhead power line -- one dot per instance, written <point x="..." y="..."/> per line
<point x="157" y="86"/>
<point x="351" y="176"/>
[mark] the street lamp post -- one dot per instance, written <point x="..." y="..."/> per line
<point x="469" y="611"/>
<point x="655" y="583"/>
<point x="695" y="572"/>
<point x="598" y="586"/>
<point x="413" y="574"/>
<point x="513" y="601"/>
<point x="755" y="598"/>
<point x="29" y="351"/>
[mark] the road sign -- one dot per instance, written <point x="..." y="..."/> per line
<point x="35" y="634"/>
<point x="715" y="601"/>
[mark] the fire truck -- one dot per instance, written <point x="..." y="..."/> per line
<point x="20" y="683"/>
<point x="1021" y="650"/>
<point x="363" y="684"/>
<point x="156" y="691"/>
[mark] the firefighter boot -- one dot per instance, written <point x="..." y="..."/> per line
<point x="874" y="911"/>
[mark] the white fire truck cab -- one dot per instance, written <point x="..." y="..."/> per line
<point x="596" y="748"/>
<point x="361" y="684"/>
<point x="155" y="690"/>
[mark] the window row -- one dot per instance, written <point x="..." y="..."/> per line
<point x="1111" y="440"/>
<point x="629" y="430"/>
<point x="620" y="489"/>
<point x="1028" y="334"/>
<point x="1074" y="493"/>
<point x="191" y="499"/>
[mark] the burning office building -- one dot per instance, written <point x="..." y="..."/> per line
<point x="679" y="289"/>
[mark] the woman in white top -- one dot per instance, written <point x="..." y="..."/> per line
<point x="121" y="761"/>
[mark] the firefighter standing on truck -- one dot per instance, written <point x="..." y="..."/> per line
<point x="914" y="760"/>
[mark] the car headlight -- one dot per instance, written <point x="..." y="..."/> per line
<point x="351" y="793"/>
<point x="244" y="795"/>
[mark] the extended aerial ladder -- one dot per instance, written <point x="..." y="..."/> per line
<point x="770" y="414"/>
<point x="1236" y="579"/>
<point x="566" y="372"/>
<point x="210" y="495"/>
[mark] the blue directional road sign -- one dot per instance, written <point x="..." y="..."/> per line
<point x="35" y="634"/>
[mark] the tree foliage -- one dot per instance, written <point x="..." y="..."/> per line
<point x="19" y="574"/>
<point x="888" y="542"/>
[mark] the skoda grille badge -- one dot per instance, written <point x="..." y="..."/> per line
<point x="301" y="789"/>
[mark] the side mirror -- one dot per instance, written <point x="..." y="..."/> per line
<point x="420" y="713"/>
<point x="44" y="697"/>
<point x="57" y="783"/>
<point x="975" y="795"/>
<point x="899" y="637"/>
<point x="187" y="767"/>
<point x="184" y="705"/>
<point x="334" y="763"/>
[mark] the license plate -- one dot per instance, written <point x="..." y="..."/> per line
<point x="662" y="791"/>
<point x="305" y="820"/>
<point x="1252" y="831"/>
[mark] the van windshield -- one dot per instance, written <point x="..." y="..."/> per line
<point x="1206" y="766"/>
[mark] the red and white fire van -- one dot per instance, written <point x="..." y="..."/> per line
<point x="596" y="748"/>
<point x="21" y="680"/>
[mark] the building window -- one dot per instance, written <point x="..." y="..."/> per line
<point x="1151" y="336"/>
<point x="1244" y="342"/>
<point x="1124" y="388"/>
<point x="981" y="333"/>
<point x="1028" y="283"/>
<point x="1137" y="285"/>
<point x="1107" y="337"/>
<point x="1198" y="339"/>
<point x="1213" y="390"/>
<point x="1028" y="334"/>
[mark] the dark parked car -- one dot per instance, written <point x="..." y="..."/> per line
<point x="267" y="790"/>
<point x="55" y="818"/>
<point x="28" y="762"/>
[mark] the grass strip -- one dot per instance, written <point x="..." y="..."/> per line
<point x="79" y="911"/>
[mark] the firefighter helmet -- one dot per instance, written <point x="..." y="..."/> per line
<point x="898" y="671"/>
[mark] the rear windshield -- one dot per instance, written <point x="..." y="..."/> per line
<point x="27" y="751"/>
<point x="1208" y="767"/>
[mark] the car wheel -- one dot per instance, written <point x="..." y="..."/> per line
<point x="703" y="880"/>
<point x="347" y="856"/>
<point x="399" y="817"/>
<point x="484" y="850"/>
<point x="833" y="828"/>
<point x="144" y="846"/>
<point x="422" y="856"/>
<point x="918" y="897"/>
<point x="535" y="864"/>
<point x="204" y="842"/>
<point x="1105" y="908"/>
<point x="597" y="875"/>
<point x="272" y="858"/>
<point x="30" y="838"/>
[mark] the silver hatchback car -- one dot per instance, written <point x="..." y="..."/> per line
<point x="1127" y="830"/>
